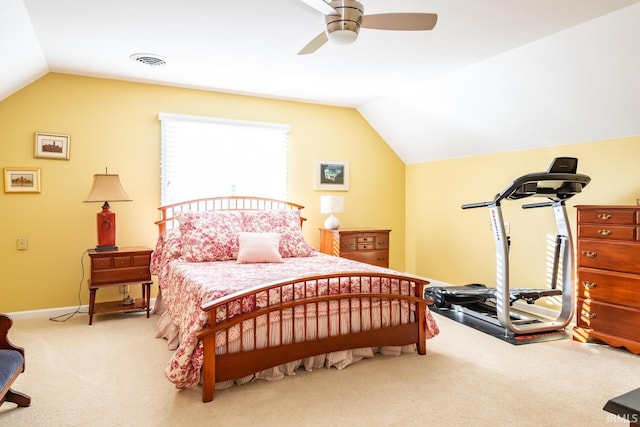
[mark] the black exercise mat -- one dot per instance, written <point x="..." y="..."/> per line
<point x="497" y="331"/>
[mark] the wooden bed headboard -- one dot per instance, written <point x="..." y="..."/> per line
<point x="224" y="203"/>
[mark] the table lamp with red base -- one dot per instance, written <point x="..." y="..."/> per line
<point x="107" y="188"/>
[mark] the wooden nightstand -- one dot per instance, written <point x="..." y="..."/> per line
<point x="115" y="268"/>
<point x="369" y="245"/>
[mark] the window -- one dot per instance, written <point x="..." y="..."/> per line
<point x="204" y="157"/>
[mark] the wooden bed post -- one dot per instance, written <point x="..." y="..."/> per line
<point x="421" y="313"/>
<point x="209" y="365"/>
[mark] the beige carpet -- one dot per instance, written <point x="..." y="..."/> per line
<point x="111" y="374"/>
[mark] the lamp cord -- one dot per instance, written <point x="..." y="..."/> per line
<point x="67" y="316"/>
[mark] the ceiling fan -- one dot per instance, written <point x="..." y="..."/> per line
<point x="345" y="17"/>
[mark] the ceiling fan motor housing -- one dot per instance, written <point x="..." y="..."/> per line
<point x="344" y="28"/>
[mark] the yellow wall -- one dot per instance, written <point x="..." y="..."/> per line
<point x="115" y="124"/>
<point x="449" y="244"/>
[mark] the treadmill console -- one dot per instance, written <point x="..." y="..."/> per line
<point x="559" y="182"/>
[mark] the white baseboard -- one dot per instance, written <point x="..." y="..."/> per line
<point x="55" y="312"/>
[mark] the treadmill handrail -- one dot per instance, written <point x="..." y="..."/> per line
<point x="476" y="205"/>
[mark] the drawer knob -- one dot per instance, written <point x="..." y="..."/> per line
<point x="604" y="232"/>
<point x="604" y="217"/>
<point x="589" y="285"/>
<point x="589" y="254"/>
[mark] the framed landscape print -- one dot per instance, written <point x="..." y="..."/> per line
<point x="21" y="180"/>
<point x="52" y="146"/>
<point x="332" y="175"/>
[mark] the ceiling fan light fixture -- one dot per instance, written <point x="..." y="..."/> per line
<point x="343" y="32"/>
<point x="344" y="28"/>
<point x="342" y="36"/>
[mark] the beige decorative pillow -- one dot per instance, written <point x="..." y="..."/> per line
<point x="258" y="247"/>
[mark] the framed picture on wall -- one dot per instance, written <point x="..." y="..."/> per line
<point x="52" y="146"/>
<point x="21" y="180"/>
<point x="332" y="175"/>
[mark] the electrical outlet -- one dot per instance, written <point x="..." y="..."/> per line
<point x="22" y="243"/>
<point x="507" y="227"/>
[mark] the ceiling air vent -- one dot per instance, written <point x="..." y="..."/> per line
<point x="148" y="59"/>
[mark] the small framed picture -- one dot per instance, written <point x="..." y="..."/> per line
<point x="21" y="180"/>
<point x="332" y="175"/>
<point x="52" y="146"/>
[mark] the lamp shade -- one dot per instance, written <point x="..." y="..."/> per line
<point x="107" y="188"/>
<point x="331" y="204"/>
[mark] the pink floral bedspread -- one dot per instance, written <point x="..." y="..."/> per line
<point x="186" y="286"/>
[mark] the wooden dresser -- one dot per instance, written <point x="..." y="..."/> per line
<point x="369" y="245"/>
<point x="608" y="287"/>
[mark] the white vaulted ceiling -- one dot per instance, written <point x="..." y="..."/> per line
<point x="493" y="75"/>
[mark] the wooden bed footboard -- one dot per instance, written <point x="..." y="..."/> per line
<point x="286" y="321"/>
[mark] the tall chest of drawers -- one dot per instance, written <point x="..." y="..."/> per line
<point x="608" y="287"/>
<point x="368" y="245"/>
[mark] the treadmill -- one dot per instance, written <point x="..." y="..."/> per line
<point x="494" y="305"/>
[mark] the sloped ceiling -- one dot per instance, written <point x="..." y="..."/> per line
<point x="493" y="75"/>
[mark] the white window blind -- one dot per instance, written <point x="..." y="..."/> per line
<point x="204" y="157"/>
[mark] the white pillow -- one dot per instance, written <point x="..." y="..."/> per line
<point x="258" y="247"/>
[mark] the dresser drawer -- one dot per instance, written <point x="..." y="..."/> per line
<point x="348" y="244"/>
<point x="115" y="275"/>
<point x="607" y="232"/>
<point x="364" y="243"/>
<point x="607" y="216"/>
<point x="609" y="319"/>
<point x="373" y="242"/>
<point x="379" y="258"/>
<point x="615" y="256"/>
<point x="615" y="288"/>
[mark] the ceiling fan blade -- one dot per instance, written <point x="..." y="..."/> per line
<point x="321" y="6"/>
<point x="314" y="44"/>
<point x="400" y="21"/>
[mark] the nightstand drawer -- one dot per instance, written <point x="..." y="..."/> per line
<point x="115" y="275"/>
<point x="141" y="260"/>
<point x="123" y="261"/>
<point x="101" y="263"/>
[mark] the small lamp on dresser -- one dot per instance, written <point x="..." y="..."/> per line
<point x="107" y="188"/>
<point x="331" y="205"/>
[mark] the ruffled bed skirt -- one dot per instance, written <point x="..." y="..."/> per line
<point x="339" y="359"/>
